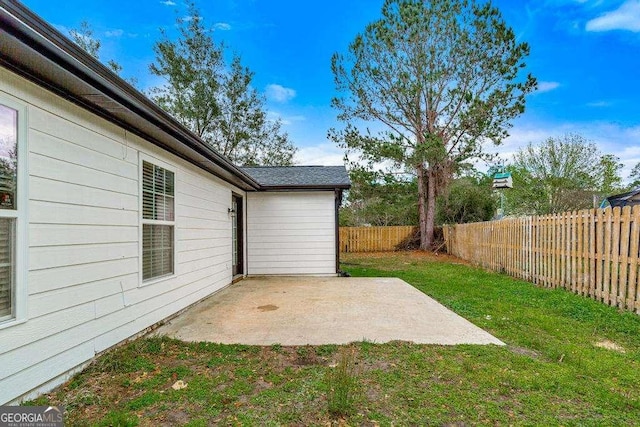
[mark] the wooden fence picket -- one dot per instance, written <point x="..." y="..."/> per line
<point x="633" y="293"/>
<point x="625" y="226"/>
<point x="374" y="239"/>
<point x="594" y="253"/>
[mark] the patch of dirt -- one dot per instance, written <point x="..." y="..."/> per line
<point x="176" y="417"/>
<point x="377" y="365"/>
<point x="269" y="307"/>
<point x="291" y="356"/>
<point x="524" y="351"/>
<point x="416" y="255"/>
<point x="260" y="384"/>
<point x="307" y="360"/>
<point x="610" y="345"/>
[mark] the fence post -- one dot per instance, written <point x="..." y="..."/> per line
<point x="529" y="270"/>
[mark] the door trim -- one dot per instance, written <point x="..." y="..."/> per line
<point x="238" y="217"/>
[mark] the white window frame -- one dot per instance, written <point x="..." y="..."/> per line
<point x="157" y="162"/>
<point x="20" y="290"/>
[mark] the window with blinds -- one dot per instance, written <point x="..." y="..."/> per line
<point x="6" y="267"/>
<point x="8" y="209"/>
<point x="158" y="216"/>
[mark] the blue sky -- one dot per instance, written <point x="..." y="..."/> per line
<point x="585" y="54"/>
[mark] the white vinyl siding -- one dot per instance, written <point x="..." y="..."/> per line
<point x="84" y="241"/>
<point x="291" y="233"/>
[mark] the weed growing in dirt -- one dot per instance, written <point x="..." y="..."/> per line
<point x="343" y="386"/>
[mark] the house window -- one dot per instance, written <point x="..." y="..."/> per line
<point x="158" y="221"/>
<point x="9" y="211"/>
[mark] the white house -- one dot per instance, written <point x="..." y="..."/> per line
<point x="114" y="217"/>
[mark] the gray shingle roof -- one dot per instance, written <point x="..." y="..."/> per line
<point x="300" y="176"/>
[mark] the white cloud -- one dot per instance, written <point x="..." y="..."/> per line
<point x="599" y="104"/>
<point x="168" y="3"/>
<point x="519" y="137"/>
<point x="547" y="86"/>
<point x="557" y="3"/>
<point x="285" y="119"/>
<point x="190" y="18"/>
<point x="325" y="154"/>
<point x="279" y="93"/>
<point x="222" y="26"/>
<point x="62" y="28"/>
<point x="626" y="17"/>
<point x="611" y="138"/>
<point x="329" y="154"/>
<point x="114" y="33"/>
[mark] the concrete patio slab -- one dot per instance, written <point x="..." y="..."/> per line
<point x="323" y="310"/>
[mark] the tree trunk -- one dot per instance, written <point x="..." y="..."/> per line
<point x="425" y="241"/>
<point x="430" y="217"/>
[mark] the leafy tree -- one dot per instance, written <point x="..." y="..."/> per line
<point x="609" y="181"/>
<point x="214" y="100"/>
<point x="467" y="200"/>
<point x="84" y="38"/>
<point x="527" y="197"/>
<point x="558" y="175"/>
<point x="634" y="176"/>
<point x="242" y="130"/>
<point x="379" y="199"/>
<point x="439" y="78"/>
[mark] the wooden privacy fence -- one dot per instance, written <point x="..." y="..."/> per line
<point x="593" y="253"/>
<point x="373" y="239"/>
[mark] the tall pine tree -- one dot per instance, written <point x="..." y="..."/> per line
<point x="439" y="78"/>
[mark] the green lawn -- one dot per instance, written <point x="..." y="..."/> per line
<point x="551" y="371"/>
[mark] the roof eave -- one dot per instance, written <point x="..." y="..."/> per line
<point x="38" y="52"/>
<point x="323" y="187"/>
